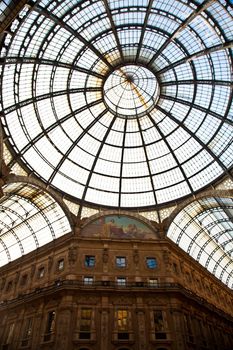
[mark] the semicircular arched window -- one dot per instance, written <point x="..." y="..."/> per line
<point x="29" y="218"/>
<point x="204" y="229"/>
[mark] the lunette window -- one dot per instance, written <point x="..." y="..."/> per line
<point x="33" y="216"/>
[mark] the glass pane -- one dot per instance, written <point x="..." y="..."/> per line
<point x="119" y="103"/>
<point x="204" y="229"/>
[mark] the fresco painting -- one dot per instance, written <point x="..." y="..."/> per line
<point x="114" y="226"/>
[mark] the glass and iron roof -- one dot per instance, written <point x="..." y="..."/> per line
<point x="29" y="218"/>
<point x="124" y="103"/>
<point x="204" y="229"/>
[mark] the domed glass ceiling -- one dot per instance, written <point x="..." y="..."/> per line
<point x="120" y="103"/>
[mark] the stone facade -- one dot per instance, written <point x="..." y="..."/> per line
<point x="100" y="293"/>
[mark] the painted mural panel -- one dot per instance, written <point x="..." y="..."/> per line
<point x="114" y="226"/>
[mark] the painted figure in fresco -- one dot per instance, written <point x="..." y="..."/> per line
<point x="107" y="228"/>
<point x="118" y="227"/>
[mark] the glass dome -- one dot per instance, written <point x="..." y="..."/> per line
<point x="123" y="104"/>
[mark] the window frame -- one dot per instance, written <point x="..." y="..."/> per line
<point x="85" y="331"/>
<point x="23" y="280"/>
<point x="27" y="331"/>
<point x="41" y="272"/>
<point x="89" y="261"/>
<point x="120" y="262"/>
<point x="88" y="280"/>
<point x="121" y="281"/>
<point x="50" y="325"/>
<point x="151" y="263"/>
<point x="61" y="264"/>
<point x="153" y="282"/>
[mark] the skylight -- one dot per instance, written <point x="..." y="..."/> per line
<point x="122" y="104"/>
<point x="29" y="218"/>
<point x="204" y="229"/>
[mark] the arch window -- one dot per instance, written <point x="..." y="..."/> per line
<point x="29" y="218"/>
<point x="204" y="229"/>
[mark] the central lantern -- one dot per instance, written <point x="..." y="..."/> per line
<point x="131" y="91"/>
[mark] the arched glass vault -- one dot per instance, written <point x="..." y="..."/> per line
<point x="124" y="104"/>
<point x="204" y="229"/>
<point x="29" y="218"/>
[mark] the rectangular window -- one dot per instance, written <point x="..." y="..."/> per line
<point x="50" y="325"/>
<point x="175" y="268"/>
<point x="188" y="329"/>
<point x="120" y="261"/>
<point x="212" y="333"/>
<point x="158" y="321"/>
<point x="9" y="334"/>
<point x="187" y="324"/>
<point x="27" y="332"/>
<point x="123" y="335"/>
<point x="89" y="261"/>
<point x="41" y="272"/>
<point x="151" y="263"/>
<point x="122" y="317"/>
<point x="85" y="324"/>
<point x="60" y="265"/>
<point x="153" y="282"/>
<point x="188" y="277"/>
<point x="159" y="325"/>
<point x="160" y="335"/>
<point x="9" y="286"/>
<point x="88" y="280"/>
<point x="200" y="330"/>
<point x="23" y="280"/>
<point x="121" y="281"/>
<point x="122" y="320"/>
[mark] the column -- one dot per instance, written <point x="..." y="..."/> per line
<point x="105" y="328"/>
<point x="142" y="338"/>
<point x="63" y="328"/>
